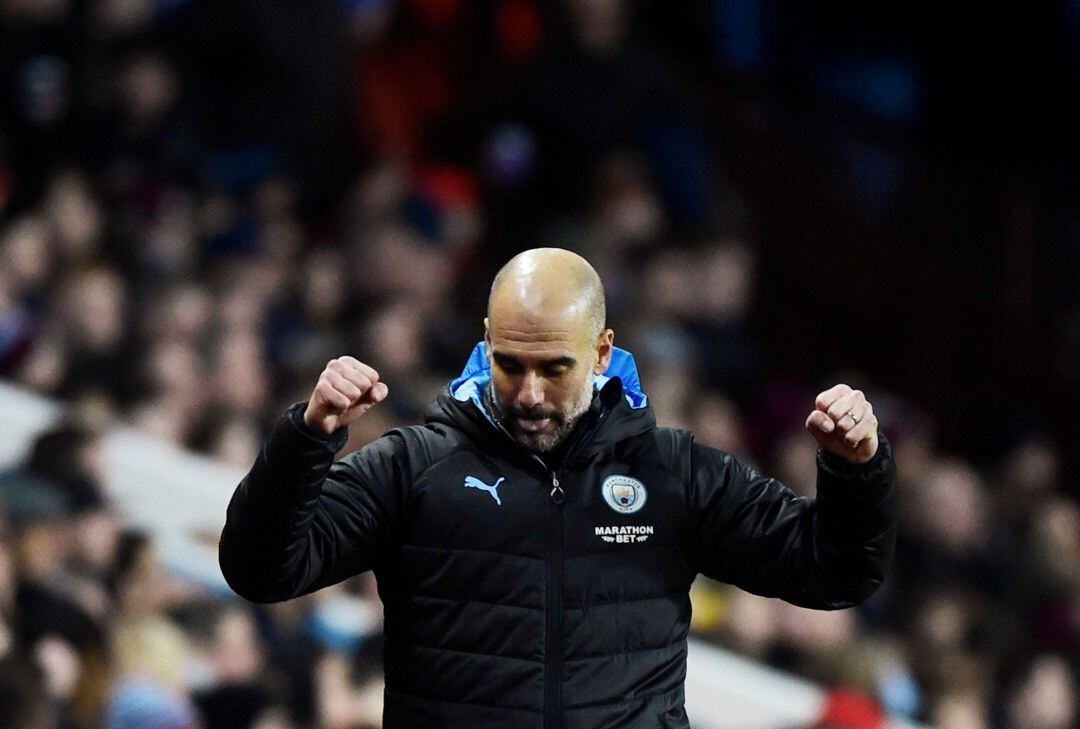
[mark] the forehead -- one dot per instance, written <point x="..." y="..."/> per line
<point x="553" y="333"/>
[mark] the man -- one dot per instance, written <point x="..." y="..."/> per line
<point x="535" y="541"/>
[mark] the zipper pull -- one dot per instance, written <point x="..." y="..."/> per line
<point x="557" y="494"/>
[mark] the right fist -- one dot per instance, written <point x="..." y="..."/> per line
<point x="347" y="389"/>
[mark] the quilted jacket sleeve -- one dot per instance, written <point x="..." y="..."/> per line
<point x="299" y="522"/>
<point x="828" y="553"/>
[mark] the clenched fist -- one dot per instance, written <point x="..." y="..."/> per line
<point x="843" y="423"/>
<point x="347" y="389"/>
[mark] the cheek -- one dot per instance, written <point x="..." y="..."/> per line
<point x="500" y="386"/>
<point x="506" y="388"/>
<point x="567" y="392"/>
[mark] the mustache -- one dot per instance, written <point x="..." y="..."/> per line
<point x="534" y="414"/>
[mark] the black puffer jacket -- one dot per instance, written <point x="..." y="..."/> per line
<point x="517" y="595"/>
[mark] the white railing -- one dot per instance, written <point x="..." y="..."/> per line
<point x="175" y="495"/>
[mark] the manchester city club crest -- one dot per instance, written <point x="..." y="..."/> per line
<point x="624" y="494"/>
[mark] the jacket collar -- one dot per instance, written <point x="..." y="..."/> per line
<point x="470" y="384"/>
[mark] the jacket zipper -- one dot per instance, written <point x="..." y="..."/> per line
<point x="554" y="578"/>
<point x="553" y="654"/>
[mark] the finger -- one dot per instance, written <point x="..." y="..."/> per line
<point x="335" y="400"/>
<point x="357" y="366"/>
<point x="342" y="367"/>
<point x="845" y="404"/>
<point x="868" y="446"/>
<point x="859" y="411"/>
<point x="351" y="389"/>
<point x="866" y="427"/>
<point x="378" y="392"/>
<point x="825" y="400"/>
<point x="351" y="374"/>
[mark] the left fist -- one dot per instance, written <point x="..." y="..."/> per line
<point x="843" y="423"/>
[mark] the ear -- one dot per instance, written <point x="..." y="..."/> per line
<point x="605" y="347"/>
<point x="487" y="336"/>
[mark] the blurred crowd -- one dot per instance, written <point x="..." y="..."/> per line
<point x="203" y="202"/>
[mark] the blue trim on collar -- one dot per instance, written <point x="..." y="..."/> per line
<point x="469" y="385"/>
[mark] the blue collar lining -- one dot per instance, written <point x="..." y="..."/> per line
<point x="470" y="384"/>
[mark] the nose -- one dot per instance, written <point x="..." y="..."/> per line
<point x="531" y="392"/>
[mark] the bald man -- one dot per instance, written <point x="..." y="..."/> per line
<point x="535" y="540"/>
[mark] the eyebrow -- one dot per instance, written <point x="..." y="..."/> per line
<point x="568" y="362"/>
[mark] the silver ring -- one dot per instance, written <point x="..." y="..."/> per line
<point x="853" y="418"/>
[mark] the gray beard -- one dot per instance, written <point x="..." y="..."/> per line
<point x="542" y="442"/>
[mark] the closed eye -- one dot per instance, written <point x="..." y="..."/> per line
<point x="559" y="367"/>
<point x="508" y="365"/>
<point x="553" y="368"/>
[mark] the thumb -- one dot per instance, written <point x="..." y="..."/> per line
<point x="820" y="425"/>
<point x="376" y="394"/>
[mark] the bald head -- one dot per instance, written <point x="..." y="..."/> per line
<point x="546" y="344"/>
<point x="550" y="285"/>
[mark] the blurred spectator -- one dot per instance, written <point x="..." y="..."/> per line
<point x="850" y="710"/>
<point x="236" y="698"/>
<point x="23" y="696"/>
<point x="147" y="705"/>
<point x="962" y="710"/>
<point x="1044" y="697"/>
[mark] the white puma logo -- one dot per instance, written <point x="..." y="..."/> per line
<point x="475" y="483"/>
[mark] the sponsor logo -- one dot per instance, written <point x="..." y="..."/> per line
<point x="624" y="534"/>
<point x="624" y="494"/>
<point x="471" y="482"/>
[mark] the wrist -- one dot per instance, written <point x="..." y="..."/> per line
<point x="298" y="416"/>
<point x="841" y="466"/>
<point x="308" y="422"/>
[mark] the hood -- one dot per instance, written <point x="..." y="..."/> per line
<point x="462" y="403"/>
<point x="471" y="382"/>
